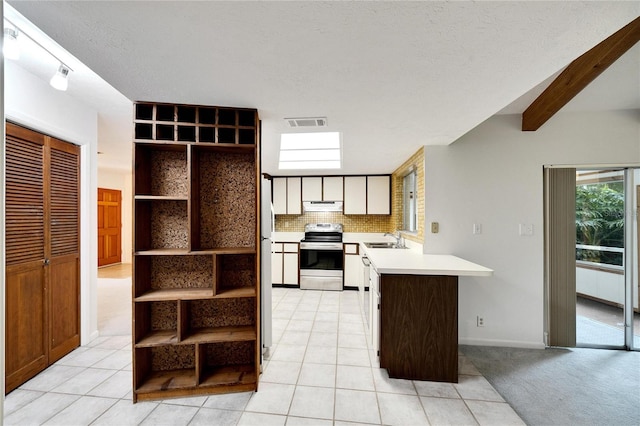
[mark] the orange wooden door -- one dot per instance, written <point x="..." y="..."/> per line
<point x="109" y="226"/>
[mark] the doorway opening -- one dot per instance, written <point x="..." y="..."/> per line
<point x="591" y="244"/>
<point x="109" y="226"/>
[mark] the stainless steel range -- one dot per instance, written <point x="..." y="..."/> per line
<point x="322" y="257"/>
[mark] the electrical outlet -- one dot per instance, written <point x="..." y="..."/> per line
<point x="477" y="228"/>
<point x="479" y="321"/>
<point x="435" y="227"/>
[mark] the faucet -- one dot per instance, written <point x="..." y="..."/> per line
<point x="397" y="236"/>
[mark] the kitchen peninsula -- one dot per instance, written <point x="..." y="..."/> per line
<point x="417" y="317"/>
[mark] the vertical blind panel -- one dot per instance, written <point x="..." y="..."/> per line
<point x="562" y="257"/>
<point x="24" y="201"/>
<point x="64" y="203"/>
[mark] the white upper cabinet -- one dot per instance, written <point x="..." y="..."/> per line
<point x="279" y="195"/>
<point x="360" y="194"/>
<point x="367" y="195"/>
<point x="332" y="188"/>
<point x="311" y="189"/>
<point x="328" y="188"/>
<point x="378" y="195"/>
<point x="355" y="195"/>
<point x="294" y="195"/>
<point x="287" y="195"/>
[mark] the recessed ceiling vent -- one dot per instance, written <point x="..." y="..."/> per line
<point x="307" y="122"/>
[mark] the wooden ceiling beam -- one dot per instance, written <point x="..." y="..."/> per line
<point x="579" y="74"/>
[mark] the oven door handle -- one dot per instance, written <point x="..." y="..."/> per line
<point x="321" y="246"/>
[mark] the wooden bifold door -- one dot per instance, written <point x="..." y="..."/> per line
<point x="42" y="252"/>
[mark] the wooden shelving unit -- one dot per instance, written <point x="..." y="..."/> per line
<point x="196" y="307"/>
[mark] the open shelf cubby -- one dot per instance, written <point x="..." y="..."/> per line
<point x="161" y="170"/>
<point x="164" y="368"/>
<point x="227" y="364"/>
<point x="218" y="320"/>
<point x="224" y="198"/>
<point x="156" y="323"/>
<point x="186" y="113"/>
<point x="144" y="112"/>
<point x="173" y="277"/>
<point x="206" y="115"/>
<point x="186" y="134"/>
<point x="165" y="112"/>
<point x="235" y="275"/>
<point x="161" y="224"/>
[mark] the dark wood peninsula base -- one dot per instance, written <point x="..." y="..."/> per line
<point x="419" y="327"/>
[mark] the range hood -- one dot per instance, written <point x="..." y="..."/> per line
<point x="322" y="206"/>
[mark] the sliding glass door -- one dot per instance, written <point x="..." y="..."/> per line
<point x="594" y="293"/>
<point x="600" y="258"/>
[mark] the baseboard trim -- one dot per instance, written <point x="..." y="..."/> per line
<point x="502" y="343"/>
<point x="92" y="336"/>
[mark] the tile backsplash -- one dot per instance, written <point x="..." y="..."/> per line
<point x="351" y="223"/>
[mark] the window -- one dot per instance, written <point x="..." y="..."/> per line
<point x="319" y="150"/>
<point x="409" y="204"/>
<point x="600" y="217"/>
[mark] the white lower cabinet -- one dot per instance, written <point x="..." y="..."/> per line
<point x="352" y="266"/>
<point x="284" y="264"/>
<point x="374" y="286"/>
<point x="276" y="268"/>
<point x="290" y="270"/>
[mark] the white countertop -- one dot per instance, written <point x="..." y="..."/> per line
<point x="413" y="262"/>
<point x="402" y="261"/>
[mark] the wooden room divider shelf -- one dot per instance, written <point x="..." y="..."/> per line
<point x="196" y="261"/>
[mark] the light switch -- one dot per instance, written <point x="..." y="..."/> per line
<point x="526" y="229"/>
<point x="435" y="227"/>
<point x="477" y="228"/>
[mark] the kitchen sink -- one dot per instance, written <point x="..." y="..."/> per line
<point x="383" y="245"/>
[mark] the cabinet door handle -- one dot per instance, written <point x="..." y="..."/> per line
<point x="46" y="262"/>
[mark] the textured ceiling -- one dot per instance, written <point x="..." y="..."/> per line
<point x="391" y="76"/>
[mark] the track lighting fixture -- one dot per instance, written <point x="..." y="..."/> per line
<point x="11" y="49"/>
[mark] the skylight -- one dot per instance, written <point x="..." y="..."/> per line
<point x="319" y="150"/>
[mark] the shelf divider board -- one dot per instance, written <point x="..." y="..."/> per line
<point x="175" y="294"/>
<point x="243" y="333"/>
<point x="183" y="321"/>
<point x="200" y="362"/>
<point x="168" y="380"/>
<point x="194" y="202"/>
<point x="236" y="292"/>
<point x="240" y="377"/>
<point x="158" y="338"/>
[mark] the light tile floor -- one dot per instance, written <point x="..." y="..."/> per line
<point x="319" y="371"/>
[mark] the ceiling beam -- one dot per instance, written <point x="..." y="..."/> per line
<point x="579" y="74"/>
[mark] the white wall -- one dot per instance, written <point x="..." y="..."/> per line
<point x="31" y="102"/>
<point x="121" y="180"/>
<point x="2" y="233"/>
<point x="494" y="176"/>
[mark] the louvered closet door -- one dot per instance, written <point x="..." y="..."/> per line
<point x="64" y="268"/>
<point x="26" y="307"/>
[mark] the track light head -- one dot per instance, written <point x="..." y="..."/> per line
<point x="60" y="80"/>
<point x="11" y="49"/>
